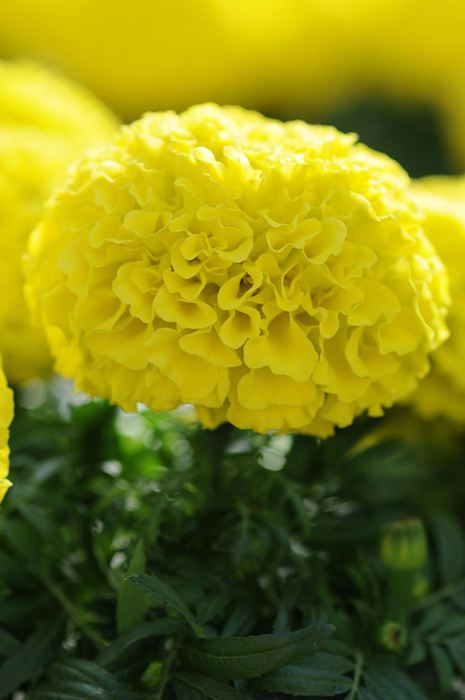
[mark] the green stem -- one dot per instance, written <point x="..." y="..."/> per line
<point x="359" y="661"/>
<point x="166" y="673"/>
<point x="74" y="615"/>
<point x="212" y="446"/>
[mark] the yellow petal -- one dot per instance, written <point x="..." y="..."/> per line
<point x="285" y="349"/>
<point x="208" y="345"/>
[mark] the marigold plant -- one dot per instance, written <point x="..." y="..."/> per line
<point x="45" y="122"/>
<point x="275" y="275"/>
<point x="443" y="390"/>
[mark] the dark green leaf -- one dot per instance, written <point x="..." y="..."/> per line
<point x="168" y="596"/>
<point x="204" y="687"/>
<point x="211" y="606"/>
<point x="443" y="665"/>
<point x="417" y="653"/>
<point x="320" y="677"/>
<point x="390" y="682"/>
<point x="8" y="644"/>
<point x="30" y="658"/>
<point x="457" y="652"/>
<point x="131" y="606"/>
<point x="450" y="545"/>
<point x="156" y="628"/>
<point x="76" y="679"/>
<point x="251" y="657"/>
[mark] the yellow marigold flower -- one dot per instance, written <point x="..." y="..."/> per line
<point x="442" y="392"/>
<point x="45" y="122"/>
<point x="6" y="416"/>
<point x="272" y="274"/>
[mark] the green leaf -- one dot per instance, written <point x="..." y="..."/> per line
<point x="390" y="682"/>
<point x="70" y="690"/>
<point x="240" y="620"/>
<point x="204" y="688"/>
<point x="131" y="605"/>
<point x="156" y="628"/>
<point x="450" y="546"/>
<point x="457" y="651"/>
<point x="417" y="653"/>
<point x="322" y="677"/>
<point x="443" y="665"/>
<point x="168" y="596"/>
<point x="211" y="606"/>
<point x="75" y="679"/>
<point x="31" y="657"/>
<point x="251" y="657"/>
<point x="8" y="643"/>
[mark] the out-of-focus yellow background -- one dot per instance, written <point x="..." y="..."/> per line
<point x="290" y="58"/>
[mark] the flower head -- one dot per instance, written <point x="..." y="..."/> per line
<point x="274" y="275"/>
<point x="45" y="122"/>
<point x="442" y="393"/>
<point x="6" y="416"/>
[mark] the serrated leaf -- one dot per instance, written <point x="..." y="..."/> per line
<point x="31" y="657"/>
<point x="206" y="688"/>
<point x="168" y="596"/>
<point x="156" y="628"/>
<point x="131" y="605"/>
<point x="251" y="657"/>
<point x="76" y="679"/>
<point x="314" y="679"/>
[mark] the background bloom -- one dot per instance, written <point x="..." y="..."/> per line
<point x="6" y="416"/>
<point x="274" y="275"/>
<point x="443" y="391"/>
<point x="253" y="52"/>
<point x="45" y="122"/>
<point x="282" y="56"/>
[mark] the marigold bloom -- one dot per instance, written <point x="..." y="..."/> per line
<point x="272" y="274"/>
<point x="45" y="122"/>
<point x="6" y="416"/>
<point x="443" y="201"/>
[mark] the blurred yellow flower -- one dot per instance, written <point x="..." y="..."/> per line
<point x="282" y="56"/>
<point x="272" y="274"/>
<point x="442" y="392"/>
<point x="158" y="54"/>
<point x="45" y="122"/>
<point x="6" y="416"/>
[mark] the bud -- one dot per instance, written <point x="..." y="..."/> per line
<point x="404" y="545"/>
<point x="393" y="636"/>
<point x="404" y="551"/>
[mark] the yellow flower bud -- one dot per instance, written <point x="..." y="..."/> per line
<point x="275" y="275"/>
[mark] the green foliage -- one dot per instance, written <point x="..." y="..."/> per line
<point x="142" y="558"/>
